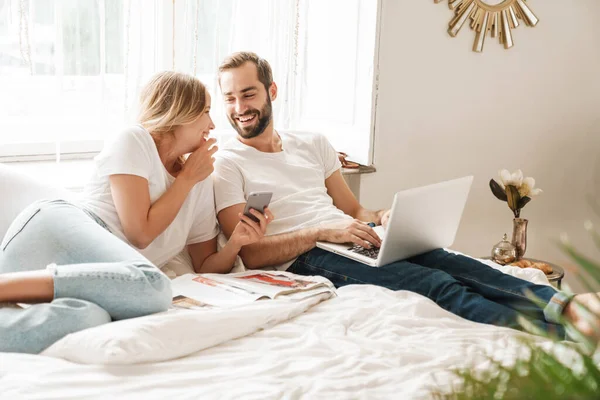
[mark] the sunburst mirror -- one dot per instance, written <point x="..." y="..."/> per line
<point x="497" y="17"/>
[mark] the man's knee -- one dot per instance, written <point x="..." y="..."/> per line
<point x="441" y="285"/>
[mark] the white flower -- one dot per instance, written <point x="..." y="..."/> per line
<point x="515" y="179"/>
<point x="534" y="192"/>
<point x="499" y="182"/>
<point x="505" y="176"/>
<point x="528" y="189"/>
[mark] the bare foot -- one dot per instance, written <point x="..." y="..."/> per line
<point x="585" y="321"/>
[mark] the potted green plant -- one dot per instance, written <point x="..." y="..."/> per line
<point x="563" y="370"/>
<point x="517" y="192"/>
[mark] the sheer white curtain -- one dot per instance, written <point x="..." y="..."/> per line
<point x="143" y="41"/>
<point x="65" y="66"/>
<point x="71" y="70"/>
<point x="212" y="29"/>
<point x="322" y="54"/>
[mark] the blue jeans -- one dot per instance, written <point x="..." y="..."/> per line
<point x="97" y="277"/>
<point x="459" y="284"/>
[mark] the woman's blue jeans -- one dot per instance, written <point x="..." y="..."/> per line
<point x="97" y="277"/>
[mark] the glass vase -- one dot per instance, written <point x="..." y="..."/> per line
<point x="519" y="238"/>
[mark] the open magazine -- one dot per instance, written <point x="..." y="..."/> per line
<point x="218" y="290"/>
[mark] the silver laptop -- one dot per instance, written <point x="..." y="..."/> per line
<point x="422" y="219"/>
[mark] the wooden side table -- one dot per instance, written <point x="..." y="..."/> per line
<point x="557" y="275"/>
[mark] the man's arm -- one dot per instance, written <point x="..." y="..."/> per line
<point x="206" y="258"/>
<point x="344" y="199"/>
<point x="270" y="250"/>
<point x="277" y="249"/>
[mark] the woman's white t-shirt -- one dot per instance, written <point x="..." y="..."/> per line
<point x="133" y="152"/>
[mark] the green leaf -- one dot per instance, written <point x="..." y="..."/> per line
<point x="590" y="285"/>
<point x="596" y="238"/>
<point x="513" y="197"/>
<point x="560" y="372"/>
<point x="588" y="266"/>
<point x="593" y="370"/>
<point x="523" y="201"/>
<point x="497" y="190"/>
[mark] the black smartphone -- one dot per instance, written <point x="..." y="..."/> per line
<point x="257" y="201"/>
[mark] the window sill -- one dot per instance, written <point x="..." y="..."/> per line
<point x="362" y="169"/>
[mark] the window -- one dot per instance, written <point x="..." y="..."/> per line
<point x="338" y="61"/>
<point x="71" y="70"/>
<point x="61" y="70"/>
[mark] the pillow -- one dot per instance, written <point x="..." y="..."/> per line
<point x="174" y="333"/>
<point x="18" y="191"/>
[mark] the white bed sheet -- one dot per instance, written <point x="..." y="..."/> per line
<point x="369" y="342"/>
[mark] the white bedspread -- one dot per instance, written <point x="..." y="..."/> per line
<point x="369" y="342"/>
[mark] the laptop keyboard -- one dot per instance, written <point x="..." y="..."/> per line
<point x="371" y="253"/>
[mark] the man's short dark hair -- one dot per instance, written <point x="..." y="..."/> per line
<point x="236" y="60"/>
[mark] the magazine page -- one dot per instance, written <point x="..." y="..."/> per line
<point x="309" y="293"/>
<point x="272" y="283"/>
<point x="181" y="301"/>
<point x="203" y="290"/>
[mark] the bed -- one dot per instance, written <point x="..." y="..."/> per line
<point x="368" y="342"/>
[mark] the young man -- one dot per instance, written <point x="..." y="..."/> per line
<point x="312" y="202"/>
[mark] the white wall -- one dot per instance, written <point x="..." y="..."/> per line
<point x="444" y="112"/>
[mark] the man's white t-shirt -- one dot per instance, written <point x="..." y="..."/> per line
<point x="133" y="152"/>
<point x="296" y="176"/>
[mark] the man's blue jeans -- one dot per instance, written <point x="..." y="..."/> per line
<point x="459" y="284"/>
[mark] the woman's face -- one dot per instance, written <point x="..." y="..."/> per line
<point x="190" y="136"/>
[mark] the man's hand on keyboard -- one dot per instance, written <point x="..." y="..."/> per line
<point x="371" y="253"/>
<point x="349" y="231"/>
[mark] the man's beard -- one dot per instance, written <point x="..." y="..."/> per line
<point x="264" y="117"/>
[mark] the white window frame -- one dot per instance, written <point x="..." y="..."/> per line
<point x="375" y="83"/>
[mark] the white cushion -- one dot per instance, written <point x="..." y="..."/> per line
<point x="175" y="333"/>
<point x="18" y="191"/>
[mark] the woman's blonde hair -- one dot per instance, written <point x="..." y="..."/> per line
<point x="170" y="99"/>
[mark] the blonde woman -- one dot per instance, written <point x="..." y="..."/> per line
<point x="89" y="263"/>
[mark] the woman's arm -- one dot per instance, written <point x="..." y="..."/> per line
<point x="142" y="222"/>
<point x="205" y="257"/>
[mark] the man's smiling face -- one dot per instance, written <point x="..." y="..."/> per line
<point x="247" y="102"/>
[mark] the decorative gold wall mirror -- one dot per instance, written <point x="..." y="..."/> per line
<point x="496" y="16"/>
